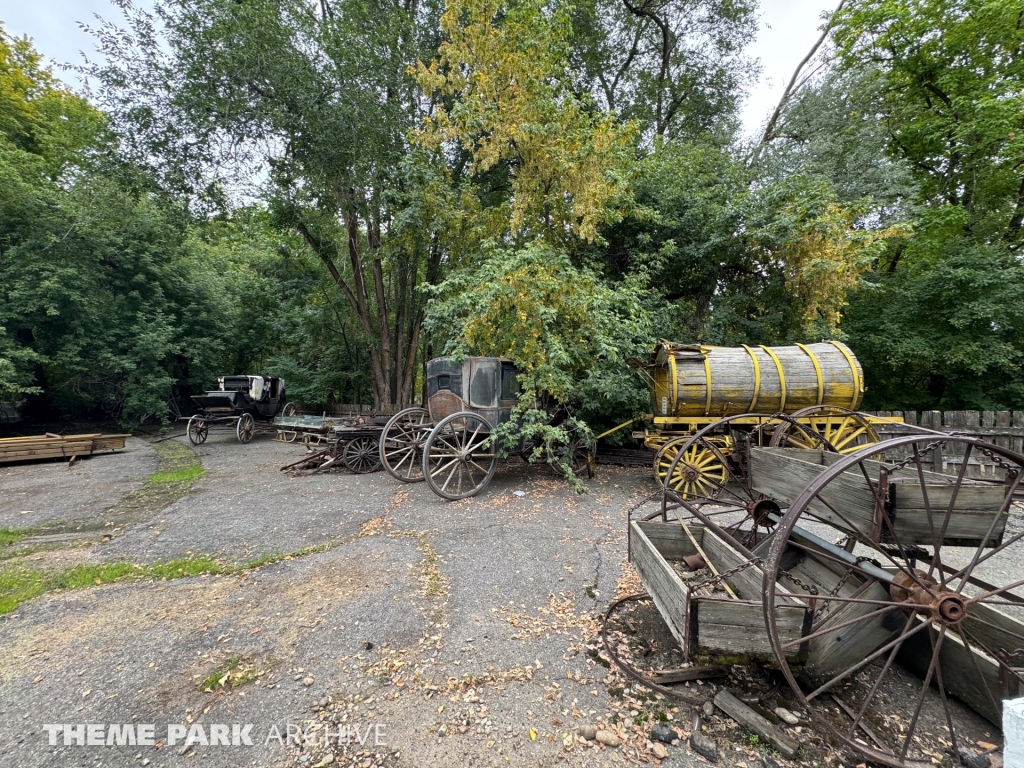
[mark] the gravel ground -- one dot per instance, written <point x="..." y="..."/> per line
<point x="413" y="595"/>
<point x="465" y="630"/>
<point x="49" y="491"/>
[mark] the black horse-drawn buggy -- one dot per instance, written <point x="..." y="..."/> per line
<point x="238" y="404"/>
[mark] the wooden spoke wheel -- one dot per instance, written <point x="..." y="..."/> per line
<point x="198" y="430"/>
<point x="246" y="428"/>
<point x="577" y="452"/>
<point x="700" y="472"/>
<point x="696" y="468"/>
<point x="401" y="444"/>
<point x="289" y="409"/>
<point x="825" y="427"/>
<point x="929" y="582"/>
<point x="362" y="455"/>
<point x="458" y="458"/>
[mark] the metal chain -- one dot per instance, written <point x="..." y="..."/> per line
<point x="713" y="580"/>
<point x="998" y="461"/>
<point x="905" y="462"/>
<point x="811" y="589"/>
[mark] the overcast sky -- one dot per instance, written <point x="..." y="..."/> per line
<point x="787" y="30"/>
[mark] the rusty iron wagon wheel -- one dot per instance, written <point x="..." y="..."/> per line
<point x="401" y="444"/>
<point x="824" y="427"/>
<point x="245" y="428"/>
<point x="458" y="457"/>
<point x="929" y="580"/>
<point x="198" y="430"/>
<point x="362" y="455"/>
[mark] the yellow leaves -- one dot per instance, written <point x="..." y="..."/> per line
<point x="505" y="64"/>
<point x="826" y="258"/>
<point x="533" y="735"/>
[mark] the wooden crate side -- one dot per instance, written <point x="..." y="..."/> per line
<point x="830" y="654"/>
<point x="736" y="628"/>
<point x="670" y="539"/>
<point x="998" y="632"/>
<point x="833" y="653"/>
<point x="966" y="528"/>
<point x="959" y="673"/>
<point x="847" y="503"/>
<point x="670" y="594"/>
<point x="747" y="583"/>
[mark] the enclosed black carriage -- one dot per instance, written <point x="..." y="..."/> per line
<point x="448" y="443"/>
<point x="239" y="403"/>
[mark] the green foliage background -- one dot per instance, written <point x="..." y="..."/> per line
<point x="337" y="192"/>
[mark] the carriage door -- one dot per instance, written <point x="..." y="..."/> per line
<point x="484" y="385"/>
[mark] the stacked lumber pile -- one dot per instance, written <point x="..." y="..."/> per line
<point x="51" y="446"/>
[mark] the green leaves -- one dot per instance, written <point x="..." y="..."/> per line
<point x="562" y="324"/>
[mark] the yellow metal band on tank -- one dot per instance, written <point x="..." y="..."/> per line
<point x="817" y="370"/>
<point x="674" y="389"/>
<point x="757" y="379"/>
<point x="782" y="377"/>
<point x="707" y="400"/>
<point x="853" y="369"/>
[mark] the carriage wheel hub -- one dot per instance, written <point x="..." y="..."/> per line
<point x="691" y="474"/>
<point x="928" y="597"/>
<point x="764" y="512"/>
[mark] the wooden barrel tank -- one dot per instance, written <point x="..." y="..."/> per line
<point x="690" y="380"/>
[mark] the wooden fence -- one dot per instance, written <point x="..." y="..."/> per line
<point x="1002" y="428"/>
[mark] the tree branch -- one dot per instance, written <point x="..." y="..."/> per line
<point x="769" y="131"/>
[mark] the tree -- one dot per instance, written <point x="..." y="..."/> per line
<point x="318" y="101"/>
<point x="567" y="163"/>
<point x="674" y="66"/>
<point x="953" y="106"/>
<point x="105" y="308"/>
<point x="941" y="327"/>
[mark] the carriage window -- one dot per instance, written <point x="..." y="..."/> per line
<point x="509" y="384"/>
<point x="483" y="388"/>
<point x="444" y="381"/>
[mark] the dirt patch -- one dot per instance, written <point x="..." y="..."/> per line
<point x="290" y="606"/>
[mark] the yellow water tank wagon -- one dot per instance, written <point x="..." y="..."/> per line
<point x="690" y="380"/>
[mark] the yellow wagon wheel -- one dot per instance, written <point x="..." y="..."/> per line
<point x="702" y="472"/>
<point x="825" y="427"/>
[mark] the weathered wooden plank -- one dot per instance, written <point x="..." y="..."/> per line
<point x="736" y="627"/>
<point x="748" y="583"/>
<point x="834" y="652"/>
<point x="670" y="539"/>
<point x="993" y="630"/>
<point x="848" y="503"/>
<point x="667" y="590"/>
<point x="751" y="720"/>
